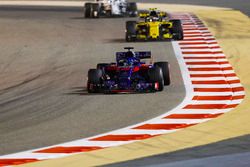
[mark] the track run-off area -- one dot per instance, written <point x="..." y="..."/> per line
<point x="212" y="89"/>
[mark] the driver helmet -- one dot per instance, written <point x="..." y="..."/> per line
<point x="130" y="54"/>
<point x="122" y="62"/>
<point x="152" y="19"/>
<point x="153" y="13"/>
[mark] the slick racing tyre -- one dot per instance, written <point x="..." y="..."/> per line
<point x="95" y="76"/>
<point x="165" y="71"/>
<point x="102" y="66"/>
<point x="87" y="10"/>
<point x="177" y="30"/>
<point x="156" y="76"/>
<point x="132" y="9"/>
<point x="92" y="88"/>
<point x="94" y="80"/>
<point x="130" y="31"/>
<point x="91" y="10"/>
<point x="95" y="10"/>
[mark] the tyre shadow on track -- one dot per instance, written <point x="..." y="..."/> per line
<point x="117" y="40"/>
<point x="102" y="18"/>
<point x="82" y="91"/>
<point x="77" y="18"/>
<point x="122" y="40"/>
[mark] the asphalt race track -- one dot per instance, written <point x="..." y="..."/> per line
<point x="45" y="56"/>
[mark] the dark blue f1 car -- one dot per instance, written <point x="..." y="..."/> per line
<point x="129" y="74"/>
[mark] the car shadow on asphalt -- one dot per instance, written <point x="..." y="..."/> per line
<point x="117" y="40"/>
<point x="82" y="91"/>
<point x="100" y="18"/>
<point x="77" y="18"/>
<point x="122" y="40"/>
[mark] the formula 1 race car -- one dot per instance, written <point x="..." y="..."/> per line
<point x="129" y="74"/>
<point x="110" y="8"/>
<point x="154" y="26"/>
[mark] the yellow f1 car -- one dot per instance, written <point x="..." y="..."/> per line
<point x="154" y="26"/>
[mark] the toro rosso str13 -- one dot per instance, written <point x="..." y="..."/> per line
<point x="129" y="74"/>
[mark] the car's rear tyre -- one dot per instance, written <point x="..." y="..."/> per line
<point x="102" y="66"/>
<point x="87" y="10"/>
<point x="91" y="88"/>
<point x="156" y="76"/>
<point x="163" y="29"/>
<point x="91" y="10"/>
<point x="132" y="9"/>
<point x="130" y="31"/>
<point x="177" y="30"/>
<point x="165" y="71"/>
<point x="95" y="10"/>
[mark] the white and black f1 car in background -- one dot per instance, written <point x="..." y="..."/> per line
<point x="110" y="8"/>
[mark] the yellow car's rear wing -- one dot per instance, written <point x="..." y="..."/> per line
<point x="152" y="9"/>
<point x="143" y="14"/>
<point x="163" y="14"/>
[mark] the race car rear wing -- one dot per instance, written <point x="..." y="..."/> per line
<point x="139" y="55"/>
<point x="163" y="14"/>
<point x="144" y="14"/>
<point x="143" y="55"/>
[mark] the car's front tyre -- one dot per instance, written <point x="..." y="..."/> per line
<point x="177" y="30"/>
<point x="156" y="77"/>
<point x="165" y="70"/>
<point x="94" y="80"/>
